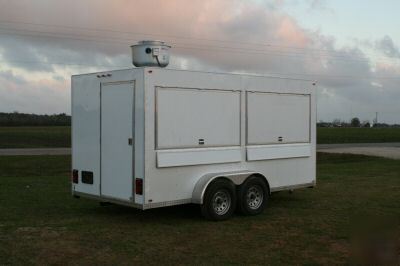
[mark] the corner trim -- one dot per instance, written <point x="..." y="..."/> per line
<point x="108" y="199"/>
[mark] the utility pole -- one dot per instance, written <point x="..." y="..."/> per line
<point x="376" y="118"/>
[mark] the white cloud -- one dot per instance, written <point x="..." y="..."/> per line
<point x="345" y="74"/>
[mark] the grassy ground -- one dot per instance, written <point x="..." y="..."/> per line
<point x="40" y="223"/>
<point x="35" y="137"/>
<point x="357" y="135"/>
<point x="41" y="137"/>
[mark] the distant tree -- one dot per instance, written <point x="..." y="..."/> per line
<point x="336" y="122"/>
<point x="366" y="123"/>
<point x="323" y="124"/>
<point x="355" y="122"/>
<point x="21" y="119"/>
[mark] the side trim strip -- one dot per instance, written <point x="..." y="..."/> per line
<point x="306" y="185"/>
<point x="166" y="203"/>
<point x="170" y="158"/>
<point x="280" y="151"/>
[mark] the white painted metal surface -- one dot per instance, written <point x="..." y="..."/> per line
<point x="86" y="130"/>
<point x="278" y="118"/>
<point x="196" y="118"/>
<point x="117" y="105"/>
<point x="239" y="118"/>
<point x="187" y="157"/>
<point x="281" y="151"/>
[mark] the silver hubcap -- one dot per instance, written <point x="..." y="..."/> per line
<point x="221" y="202"/>
<point x="254" y="197"/>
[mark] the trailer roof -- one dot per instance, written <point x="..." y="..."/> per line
<point x="198" y="71"/>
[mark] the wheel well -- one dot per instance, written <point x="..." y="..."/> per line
<point x="237" y="178"/>
<point x="218" y="178"/>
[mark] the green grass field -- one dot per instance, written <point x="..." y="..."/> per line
<point x="42" y="137"/>
<point x="40" y="223"/>
<point x="35" y="137"/>
<point x="357" y="135"/>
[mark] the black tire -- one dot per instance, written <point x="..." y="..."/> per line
<point x="253" y="196"/>
<point x="219" y="200"/>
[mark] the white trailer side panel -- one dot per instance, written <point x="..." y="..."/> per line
<point x="277" y="118"/>
<point x="196" y="118"/>
<point x="297" y="168"/>
<point x="171" y="173"/>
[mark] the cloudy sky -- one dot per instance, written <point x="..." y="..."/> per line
<point x="352" y="48"/>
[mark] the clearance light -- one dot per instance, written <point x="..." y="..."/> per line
<point x="139" y="186"/>
<point x="75" y="177"/>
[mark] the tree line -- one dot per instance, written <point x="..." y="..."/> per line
<point x="355" y="122"/>
<point x="21" y="119"/>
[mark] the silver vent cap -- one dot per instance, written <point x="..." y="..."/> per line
<point x="150" y="53"/>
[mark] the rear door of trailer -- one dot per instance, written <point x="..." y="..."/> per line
<point x="117" y="134"/>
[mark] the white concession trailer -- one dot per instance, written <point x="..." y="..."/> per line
<point x="150" y="137"/>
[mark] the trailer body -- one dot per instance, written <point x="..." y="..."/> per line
<point x="152" y="137"/>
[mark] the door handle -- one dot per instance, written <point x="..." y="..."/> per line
<point x="130" y="141"/>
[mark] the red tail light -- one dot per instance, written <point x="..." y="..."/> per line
<point x="139" y="186"/>
<point x="75" y="176"/>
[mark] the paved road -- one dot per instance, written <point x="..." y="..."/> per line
<point x="389" y="150"/>
<point x="354" y="145"/>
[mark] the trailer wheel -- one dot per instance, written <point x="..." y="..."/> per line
<point x="219" y="200"/>
<point x="253" y="196"/>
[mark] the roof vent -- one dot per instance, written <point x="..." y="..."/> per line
<point x="150" y="53"/>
